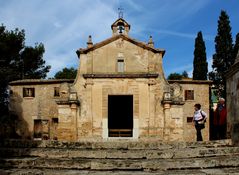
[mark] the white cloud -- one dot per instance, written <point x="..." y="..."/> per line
<point x="169" y="13"/>
<point x="63" y="26"/>
<point x="183" y="35"/>
<point x="209" y="61"/>
<point x="189" y="68"/>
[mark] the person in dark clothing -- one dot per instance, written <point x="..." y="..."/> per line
<point x="199" y="119"/>
<point x="220" y="120"/>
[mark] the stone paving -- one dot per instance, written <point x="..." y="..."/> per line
<point x="118" y="157"/>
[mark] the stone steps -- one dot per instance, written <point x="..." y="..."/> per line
<point x="111" y="144"/>
<point x="119" y="153"/>
<point x="119" y="156"/>
<point x="228" y="171"/>
<point x="121" y="164"/>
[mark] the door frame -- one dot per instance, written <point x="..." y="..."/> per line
<point x="105" y="129"/>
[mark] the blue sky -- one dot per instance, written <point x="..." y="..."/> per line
<point x="63" y="26"/>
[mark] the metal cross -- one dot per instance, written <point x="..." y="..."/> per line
<point x="120" y="9"/>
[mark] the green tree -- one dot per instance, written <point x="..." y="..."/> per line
<point x="223" y="58"/>
<point x="33" y="62"/>
<point x="66" y="73"/>
<point x="236" y="47"/>
<point x="175" y="76"/>
<point x="185" y="74"/>
<point x="11" y="44"/>
<point x="200" y="64"/>
<point x="18" y="61"/>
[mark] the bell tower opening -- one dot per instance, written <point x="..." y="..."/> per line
<point x="120" y="115"/>
<point x="120" y="26"/>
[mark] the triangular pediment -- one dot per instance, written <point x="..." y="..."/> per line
<point x="118" y="21"/>
<point x="114" y="38"/>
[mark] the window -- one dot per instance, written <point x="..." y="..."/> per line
<point x="189" y="94"/>
<point x="37" y="128"/>
<point x="41" y="129"/>
<point x="238" y="84"/>
<point x="189" y="119"/>
<point x="120" y="65"/>
<point x="56" y="92"/>
<point x="28" y="92"/>
<point x="54" y="120"/>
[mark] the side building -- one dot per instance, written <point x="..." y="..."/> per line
<point x="34" y="104"/>
<point x="194" y="91"/>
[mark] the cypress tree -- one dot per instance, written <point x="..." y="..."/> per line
<point x="236" y="47"/>
<point x="223" y="58"/>
<point x="200" y="69"/>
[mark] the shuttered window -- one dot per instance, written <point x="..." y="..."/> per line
<point x="56" y="91"/>
<point x="189" y="94"/>
<point x="28" y="92"/>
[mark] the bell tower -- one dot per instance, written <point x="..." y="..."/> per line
<point x="120" y="26"/>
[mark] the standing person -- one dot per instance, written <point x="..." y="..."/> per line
<point x="199" y="119"/>
<point x="220" y="120"/>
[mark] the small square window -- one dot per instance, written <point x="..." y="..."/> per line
<point x="189" y="119"/>
<point x="189" y="94"/>
<point x="28" y="92"/>
<point x="56" y="92"/>
<point x="120" y="65"/>
<point x="54" y="120"/>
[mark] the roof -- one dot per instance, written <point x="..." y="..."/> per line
<point x="40" y="81"/>
<point x="114" y="38"/>
<point x="190" y="82"/>
<point x="120" y="20"/>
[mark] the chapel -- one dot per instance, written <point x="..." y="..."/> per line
<point x="120" y="92"/>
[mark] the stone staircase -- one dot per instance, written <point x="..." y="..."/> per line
<point x="118" y="157"/>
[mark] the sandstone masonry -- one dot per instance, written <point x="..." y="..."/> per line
<point x="120" y="92"/>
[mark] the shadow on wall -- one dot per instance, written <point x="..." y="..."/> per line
<point x="15" y="137"/>
<point x="12" y="124"/>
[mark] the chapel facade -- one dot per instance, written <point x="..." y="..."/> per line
<point x="120" y="92"/>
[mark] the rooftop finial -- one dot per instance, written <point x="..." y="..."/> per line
<point x="89" y="43"/>
<point x="120" y="10"/>
<point x="151" y="43"/>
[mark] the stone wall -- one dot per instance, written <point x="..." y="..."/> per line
<point x="40" y="107"/>
<point x="232" y="102"/>
<point x="147" y="109"/>
<point x="148" y="116"/>
<point x="201" y="96"/>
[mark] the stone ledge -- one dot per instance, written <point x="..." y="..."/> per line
<point x="67" y="102"/>
<point x="171" y="102"/>
<point x="122" y="75"/>
<point x="190" y="81"/>
<point x="40" y="81"/>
